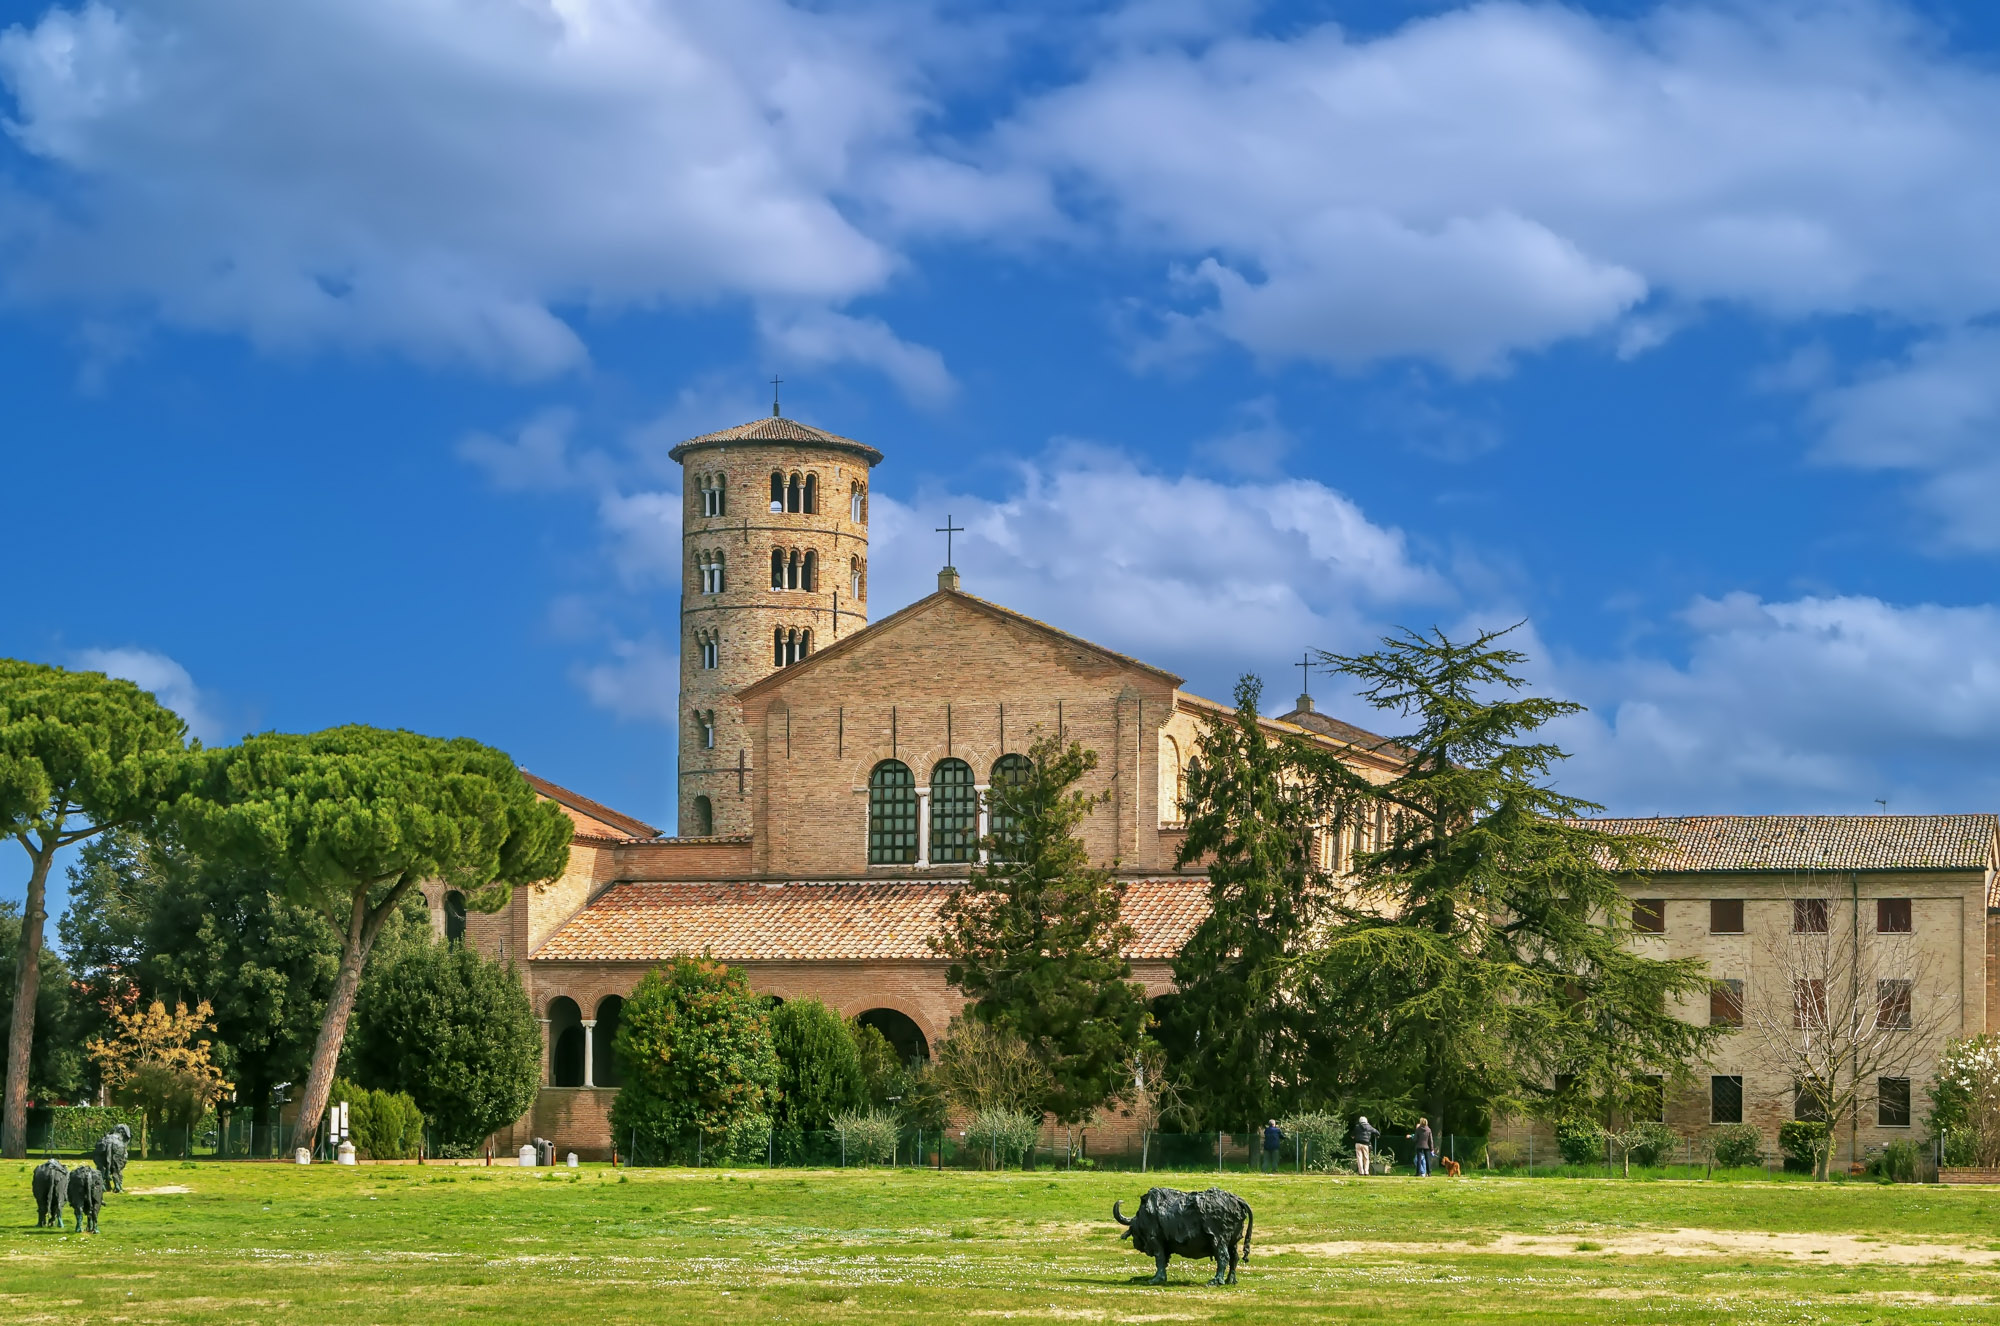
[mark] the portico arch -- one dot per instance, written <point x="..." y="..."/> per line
<point x="900" y="1030"/>
<point x="566" y="1050"/>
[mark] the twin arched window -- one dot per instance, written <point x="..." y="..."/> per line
<point x="794" y="569"/>
<point x="710" y="645"/>
<point x="790" y="645"/>
<point x="711" y="490"/>
<point x="704" y="728"/>
<point x="798" y="493"/>
<point x="710" y="566"/>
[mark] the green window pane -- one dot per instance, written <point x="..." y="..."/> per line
<point x="892" y="815"/>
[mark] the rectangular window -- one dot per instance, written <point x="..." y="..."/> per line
<point x="1725" y="916"/>
<point x="1892" y="1102"/>
<point x="1725" y="1099"/>
<point x="1809" y="916"/>
<point x="1892" y="1005"/>
<point x="1808" y="1003"/>
<point x="1892" y="916"/>
<point x="1809" y="1102"/>
<point x="1725" y="1004"/>
<point x="1649" y="916"/>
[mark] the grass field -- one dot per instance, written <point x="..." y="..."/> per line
<point x="208" y="1242"/>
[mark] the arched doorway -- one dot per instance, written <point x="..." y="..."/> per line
<point x="454" y="917"/>
<point x="565" y="1042"/>
<point x="604" y="1063"/>
<point x="901" y="1031"/>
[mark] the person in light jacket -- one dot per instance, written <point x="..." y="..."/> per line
<point x="1424" y="1142"/>
<point x="1365" y="1134"/>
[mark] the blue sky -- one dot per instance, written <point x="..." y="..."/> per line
<point x="342" y="344"/>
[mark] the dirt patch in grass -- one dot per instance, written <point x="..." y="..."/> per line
<point x="162" y="1190"/>
<point x="1837" y="1249"/>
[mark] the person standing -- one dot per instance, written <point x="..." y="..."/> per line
<point x="1424" y="1141"/>
<point x="1365" y="1134"/>
<point x="1274" y="1137"/>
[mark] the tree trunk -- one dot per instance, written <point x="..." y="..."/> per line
<point x="27" y="986"/>
<point x="363" y="924"/>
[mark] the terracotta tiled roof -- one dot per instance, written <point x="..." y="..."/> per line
<point x="1360" y="738"/>
<point x="593" y="819"/>
<point x="1818" y="842"/>
<point x="804" y="921"/>
<point x="776" y="429"/>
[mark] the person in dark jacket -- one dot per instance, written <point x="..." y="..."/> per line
<point x="1424" y="1143"/>
<point x="1365" y="1134"/>
<point x="1274" y="1138"/>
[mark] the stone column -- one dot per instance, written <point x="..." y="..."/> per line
<point x="985" y="819"/>
<point x="548" y="1054"/>
<point x="589" y="1057"/>
<point x="923" y="826"/>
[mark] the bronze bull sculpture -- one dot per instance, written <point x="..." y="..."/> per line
<point x="1190" y="1224"/>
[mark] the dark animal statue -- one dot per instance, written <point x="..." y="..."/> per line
<point x="86" y="1196"/>
<point x="110" y="1156"/>
<point x="51" y="1177"/>
<point x="1190" y="1224"/>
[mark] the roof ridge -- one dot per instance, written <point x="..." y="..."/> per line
<point x="596" y="810"/>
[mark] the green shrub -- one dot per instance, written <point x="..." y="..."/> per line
<point x="1504" y="1154"/>
<point x="819" y="1066"/>
<point x="383" y="1125"/>
<point x="1000" y="1134"/>
<point x="1898" y="1162"/>
<point x="1805" y="1141"/>
<point x="1651" y="1142"/>
<point x="77" y="1127"/>
<point x="694" y="1044"/>
<point x="870" y="1136"/>
<point x="1581" y="1141"/>
<point x="1736" y="1146"/>
<point x="1324" y="1137"/>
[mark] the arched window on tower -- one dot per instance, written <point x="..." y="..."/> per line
<point x="792" y="570"/>
<point x="704" y="817"/>
<point x="794" y="493"/>
<point x="954" y="812"/>
<point x="855" y="583"/>
<point x="718" y="494"/>
<point x="778" y="647"/>
<point x="711" y="572"/>
<point x="711" y="650"/>
<point x="805" y="642"/>
<point x="812" y="494"/>
<point x="777" y="490"/>
<point x="892" y="815"/>
<point x="777" y="568"/>
<point x="1008" y="771"/>
<point x="809" y="571"/>
<point x="704" y="723"/>
<point x="857" y="502"/>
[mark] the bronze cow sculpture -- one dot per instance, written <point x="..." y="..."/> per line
<point x="51" y="1180"/>
<point x="1190" y="1224"/>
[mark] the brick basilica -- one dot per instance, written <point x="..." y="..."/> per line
<point x="832" y="779"/>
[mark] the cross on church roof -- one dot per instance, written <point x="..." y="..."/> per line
<point x="775" y="380"/>
<point x="948" y="529"/>
<point x="1305" y="673"/>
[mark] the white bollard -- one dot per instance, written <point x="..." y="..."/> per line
<point x="302" y="1157"/>
<point x="572" y="1160"/>
<point x="527" y="1157"/>
<point x="346" y="1153"/>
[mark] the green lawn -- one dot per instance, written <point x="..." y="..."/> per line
<point x="263" y="1243"/>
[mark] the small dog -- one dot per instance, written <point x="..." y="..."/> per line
<point x="1450" y="1166"/>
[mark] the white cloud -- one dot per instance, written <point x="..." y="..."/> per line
<point x="1204" y="577"/>
<point x="537" y="458"/>
<point x="1821" y="704"/>
<point x="1489" y="180"/>
<point x="641" y="680"/>
<point x="817" y="337"/>
<point x="436" y="176"/>
<point x="169" y="682"/>
<point x="643" y="531"/>
<point x="1935" y="413"/>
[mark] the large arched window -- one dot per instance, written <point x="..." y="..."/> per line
<point x="809" y="571"/>
<point x="892" y="815"/>
<point x="954" y="812"/>
<point x="565" y="1042"/>
<point x="704" y="817"/>
<point x="777" y="490"/>
<point x="812" y="494"/>
<point x="1173" y="780"/>
<point x="603" y="1061"/>
<point x="1008" y="771"/>
<point x="454" y="917"/>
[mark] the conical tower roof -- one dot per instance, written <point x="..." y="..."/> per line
<point x="777" y="428"/>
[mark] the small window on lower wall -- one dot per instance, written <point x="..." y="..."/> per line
<point x="1892" y="1102"/>
<point x="1725" y="1099"/>
<point x="1649" y="916"/>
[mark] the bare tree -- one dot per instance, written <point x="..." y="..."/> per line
<point x="1156" y="1098"/>
<point x="1841" y="1002"/>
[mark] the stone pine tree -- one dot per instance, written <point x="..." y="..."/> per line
<point x="1036" y="939"/>
<point x="1483" y="949"/>
<point x="80" y="753"/>
<point x="1250" y="1027"/>
<point x="351" y="820"/>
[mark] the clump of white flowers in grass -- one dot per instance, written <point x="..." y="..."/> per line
<point x="1965" y="1101"/>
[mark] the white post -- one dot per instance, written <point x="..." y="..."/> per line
<point x="589" y="1031"/>
<point x="985" y="821"/>
<point x="923" y="826"/>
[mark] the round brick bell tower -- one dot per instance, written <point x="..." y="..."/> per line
<point x="774" y="547"/>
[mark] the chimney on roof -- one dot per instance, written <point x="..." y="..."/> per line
<point x="1305" y="705"/>
<point x="948" y="579"/>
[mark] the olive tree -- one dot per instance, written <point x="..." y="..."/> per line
<point x="350" y="820"/>
<point x="80" y="753"/>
